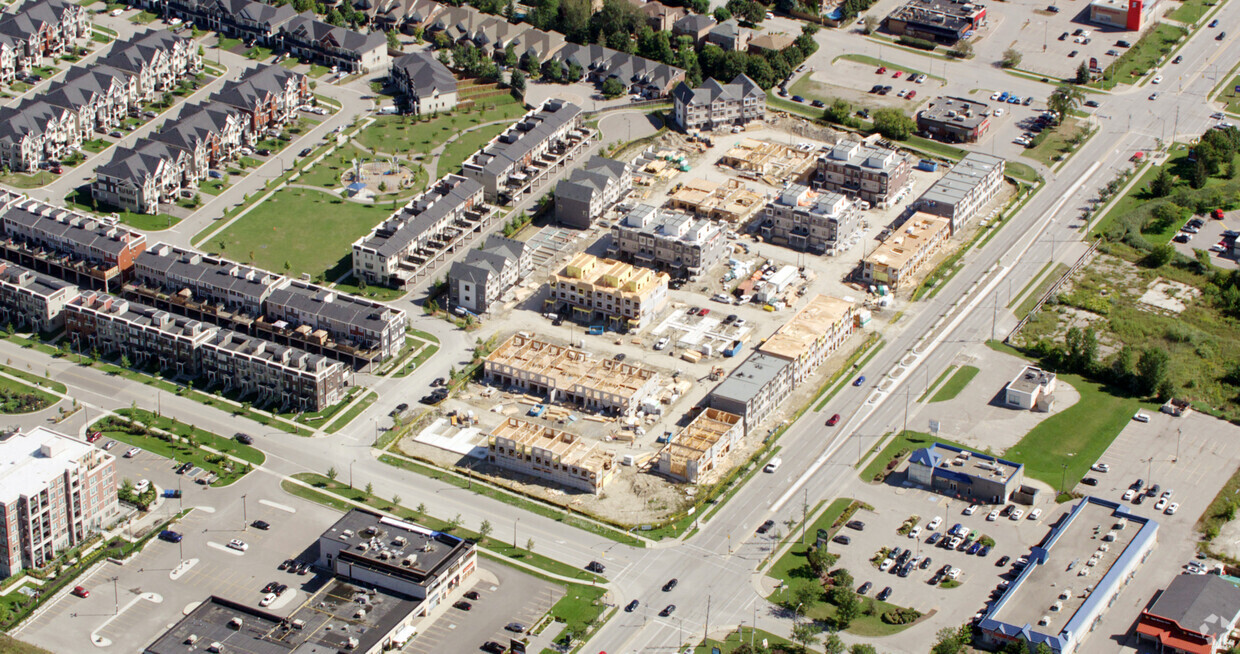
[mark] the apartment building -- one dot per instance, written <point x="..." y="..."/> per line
<point x="714" y="105"/>
<point x="196" y="277"/>
<point x="268" y="95"/>
<point x="486" y="273"/>
<point x="55" y="492"/>
<point x="900" y="257"/>
<point x="113" y="326"/>
<point x="158" y="59"/>
<point x="338" y="47"/>
<point x="960" y="195"/>
<point x="88" y="251"/>
<point x="755" y="389"/>
<point x="811" y="336"/>
<point x="556" y="457"/>
<point x="31" y="300"/>
<point x="39" y="29"/>
<point x="821" y="222"/>
<point x="871" y="173"/>
<point x="701" y="447"/>
<point x="271" y="373"/>
<point x="590" y="191"/>
<point x="668" y="240"/>
<point x="593" y="290"/>
<point x="638" y="75"/>
<point x="147" y="176"/>
<point x="413" y="242"/>
<point x="526" y="155"/>
<point x="424" y="84"/>
<point x="567" y="375"/>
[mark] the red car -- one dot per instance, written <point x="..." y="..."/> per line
<point x="897" y="74"/>
<point x="881" y="70"/>
<point x="911" y="95"/>
<point x="833" y="420"/>
<point x="80" y="592"/>
<point x="703" y="312"/>
<point x="1217" y="214"/>
<point x="94" y="436"/>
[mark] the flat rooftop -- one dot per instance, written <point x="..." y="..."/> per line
<point x="702" y="433"/>
<point x="571" y="449"/>
<point x="911" y="238"/>
<point x="1078" y="558"/>
<point x="966" y="462"/>
<point x="963" y="179"/>
<point x="1030" y="379"/>
<point x="35" y="282"/>
<point x="338" y="612"/>
<point x="569" y="367"/>
<point x="816" y="319"/>
<point x="30" y="460"/>
<point x="750" y="377"/>
<point x="388" y="543"/>
<point x="962" y="112"/>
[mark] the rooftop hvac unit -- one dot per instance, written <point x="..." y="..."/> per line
<point x="193" y="638"/>
<point x="215" y="647"/>
<point x="235" y="624"/>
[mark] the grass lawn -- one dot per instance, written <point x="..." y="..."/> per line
<point x="147" y="222"/>
<point x="351" y="414"/>
<point x="227" y="472"/>
<point x="297" y="231"/>
<point x="937" y="380"/>
<point x="1219" y="513"/>
<point x="1229" y="96"/>
<point x="10" y="645"/>
<point x="404" y="135"/>
<point x="326" y="173"/>
<point x="1142" y="56"/>
<point x="902" y="444"/>
<point x="464" y="147"/>
<point x="317" y="71"/>
<point x="580" y="606"/>
<point x="1021" y="171"/>
<point x="95" y="145"/>
<point x="258" y="53"/>
<point x="16" y="397"/>
<point x="938" y="149"/>
<point x="27" y="180"/>
<point x="1191" y="11"/>
<point x="959" y="380"/>
<point x="320" y="418"/>
<point x="1027" y="305"/>
<point x="1055" y="143"/>
<point x="143" y="18"/>
<point x="380" y="293"/>
<point x="735" y="639"/>
<point x="201" y="436"/>
<point x="791" y="568"/>
<point x="1139" y="194"/>
<point x="228" y="44"/>
<point x="35" y="379"/>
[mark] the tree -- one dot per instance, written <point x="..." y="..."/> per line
<point x="454" y="523"/>
<point x="529" y="545"/>
<point x="553" y="70"/>
<point x="838" y="112"/>
<point x="1160" y="255"/>
<point x="861" y="648"/>
<point x="334" y="17"/>
<point x="1122" y="365"/>
<point x="484" y="530"/>
<point x="832" y="644"/>
<point x="1153" y="369"/>
<point x="613" y="88"/>
<point x="948" y="642"/>
<point x="421" y="508"/>
<point x="722" y="14"/>
<point x="893" y="123"/>
<point x="700" y="6"/>
<point x="1197" y="175"/>
<point x="847" y="608"/>
<point x="124" y="361"/>
<point x="396" y="500"/>
<point x="805" y="633"/>
<point x="803" y="597"/>
<point x="1011" y="58"/>
<point x="1082" y="73"/>
<point x="517" y="81"/>
<point x="1063" y="99"/>
<point x="574" y="72"/>
<point x="331" y="473"/>
<point x="510" y="56"/>
<point x="1043" y="648"/>
<point x="393" y="41"/>
<point x="370" y="488"/>
<point x="963" y="50"/>
<point x="870" y="24"/>
<point x="1162" y="185"/>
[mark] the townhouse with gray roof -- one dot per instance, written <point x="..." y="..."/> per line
<point x="729" y="35"/>
<point x="671" y="241"/>
<point x="269" y="95"/>
<point x="146" y="176"/>
<point x="639" y="75"/>
<point x="960" y="195"/>
<point x="524" y="156"/>
<point x="477" y="281"/>
<point x="341" y="48"/>
<point x="39" y="29"/>
<point x="272" y="373"/>
<point x="424" y="83"/>
<point x="694" y="26"/>
<point x="588" y="192"/>
<point x="713" y="105"/>
<point x="31" y="300"/>
<point x="159" y="59"/>
<point x="252" y="21"/>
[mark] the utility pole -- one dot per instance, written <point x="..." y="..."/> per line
<point x="706" y="627"/>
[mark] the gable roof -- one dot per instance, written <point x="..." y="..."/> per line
<point x="426" y="74"/>
<point x="712" y="91"/>
<point x="307" y="28"/>
<point x="693" y="24"/>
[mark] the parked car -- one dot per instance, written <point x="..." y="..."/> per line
<point x="170" y="536"/>
<point x="1090" y="481"/>
<point x="833" y="420"/>
<point x="473" y="595"/>
<point x="855" y="525"/>
<point x="238" y="544"/>
<point x="132" y="452"/>
<point x="80" y="592"/>
<point x="1003" y="560"/>
<point x="261" y="524"/>
<point x="884" y="594"/>
<point x="515" y="627"/>
<point x="463" y="605"/>
<point x="766" y="526"/>
<point x="842" y="539"/>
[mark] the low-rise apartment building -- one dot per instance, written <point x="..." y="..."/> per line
<point x="822" y="222"/>
<point x="815" y="333"/>
<point x="413" y="242"/>
<point x="338" y="47"/>
<point x="594" y="290"/>
<point x="557" y="457"/>
<point x="478" y="280"/>
<point x="960" y="195"/>
<point x="55" y="492"/>
<point x="567" y="375"/>
<point x="146" y="177"/>
<point x="869" y="172"/>
<point x="715" y="105"/>
<point x="702" y="446"/>
<point x="668" y="240"/>
<point x="37" y="30"/>
<point x="755" y="389"/>
<point x="526" y="155"/>
<point x="272" y="374"/>
<point x="424" y="84"/>
<point x="32" y="300"/>
<point x="638" y="75"/>
<point x="249" y="20"/>
<point x="900" y="257"/>
<point x="588" y="192"/>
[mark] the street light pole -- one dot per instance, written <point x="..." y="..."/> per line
<point x="244" y="516"/>
<point x="514" y="532"/>
<point x="116" y="596"/>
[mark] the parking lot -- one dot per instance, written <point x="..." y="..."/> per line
<point x="1209" y="236"/>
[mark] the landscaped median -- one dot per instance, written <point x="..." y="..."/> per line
<point x="181" y="443"/>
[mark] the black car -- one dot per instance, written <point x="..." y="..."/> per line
<point x="279" y="589"/>
<point x="1003" y="560"/>
<point x="463" y="605"/>
<point x="668" y="610"/>
<point x="667" y="588"/>
<point x="797" y="98"/>
<point x="842" y="539"/>
<point x="1180" y="238"/>
<point x="1089" y="481"/>
<point x="818" y="103"/>
<point x="925" y="563"/>
<point x="1177" y="59"/>
<point x="876" y="88"/>
<point x="262" y="152"/>
<point x="1138" y="499"/>
<point x="304" y="153"/>
<point x="595" y="566"/>
<point x="766" y="526"/>
<point x="1053" y="9"/>
<point x="289" y="565"/>
<point x="1091" y="103"/>
<point x="1123" y="44"/>
<point x="620" y="356"/>
<point x="1063" y="37"/>
<point x="515" y="627"/>
<point x="184" y="467"/>
<point x="473" y="595"/>
<point x="492" y="647"/>
<point x="438" y="381"/>
<point x="244" y="439"/>
<point x="400" y="408"/>
<point x="855" y="524"/>
<point x="631" y="606"/>
<point x="884" y="594"/>
<point x="271" y="585"/>
<point x="865" y="588"/>
<point x="436" y="396"/>
<point x="261" y="524"/>
<point x="303" y="568"/>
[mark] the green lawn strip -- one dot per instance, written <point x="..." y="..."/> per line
<point x="378" y="293"/>
<point x="579" y="609"/>
<point x="35" y="379"/>
<point x="406" y="135"/>
<point x="464" y="147"/>
<point x="143" y="18"/>
<point x="1221" y="511"/>
<point x="181" y="452"/>
<point x="744" y="636"/>
<point x="203" y="437"/>
<point x="1191" y="11"/>
<point x="1076" y="436"/>
<point x="740" y="483"/>
<point x="1228" y="96"/>
<point x="326" y="486"/>
<point x="18" y="397"/>
<point x="792" y="567"/>
<point x="426" y="336"/>
<point x="1054" y="143"/>
<point x="426" y="352"/>
<point x="352" y="413"/>
<point x="935" y="148"/>
<point x="901" y="445"/>
<point x="297" y="231"/>
<point x="773" y="100"/>
<point x="321" y="417"/>
<point x="1027" y="305"/>
<point x="1136" y="61"/>
<point x="27" y="180"/>
<point x="81" y="199"/>
<point x="95" y="145"/>
<point x="1022" y="171"/>
<point x="956" y="384"/>
<point x="1027" y="287"/>
<point x="317" y="71"/>
<point x="1128" y="202"/>
<point x="937" y="380"/>
<point x="555" y="513"/>
<point x="870" y="348"/>
<point x="891" y="68"/>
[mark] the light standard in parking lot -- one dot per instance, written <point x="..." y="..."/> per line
<point x="245" y="520"/>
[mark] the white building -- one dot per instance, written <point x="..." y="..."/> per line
<point x="1029" y="387"/>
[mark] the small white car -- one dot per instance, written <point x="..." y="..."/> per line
<point x="1167" y="494"/>
<point x="238" y="544"/>
<point x="886" y="565"/>
<point x="915" y="532"/>
<point x="267" y="599"/>
<point x="662" y="343"/>
<point x="1017" y="514"/>
<point x="140" y="487"/>
<point x="971" y="510"/>
<point x="1157" y="79"/>
<point x="1128" y="494"/>
<point x="1035" y="514"/>
<point x="998" y="112"/>
<point x="116" y="12"/>
<point x="1161" y="504"/>
<point x="994" y="96"/>
<point x="934" y="524"/>
<point x="1100" y="467"/>
<point x="1141" y="417"/>
<point x="994" y="515"/>
<point x="132" y="452"/>
<point x="954" y="573"/>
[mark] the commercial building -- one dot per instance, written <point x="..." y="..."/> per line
<point x="899" y="258"/>
<point x="670" y="241"/>
<point x="1033" y="387"/>
<point x="968" y="187"/>
<point x="424" y="84"/>
<point x="812" y="335"/>
<point x="1073" y="576"/>
<point x="1130" y="15"/>
<point x="567" y="375"/>
<point x="593" y="290"/>
<point x="413" y="242"/>
<point x="88" y="251"/>
<point x="397" y="556"/>
<point x="731" y="202"/>
<point x="941" y="21"/>
<point x="55" y="492"/>
<point x="1195" y="614"/>
<point x="701" y="446"/>
<point x="755" y="389"/>
<point x="31" y="300"/>
<point x="526" y="155"/>
<point x="954" y="120"/>
<point x="588" y="192"/>
<point x="869" y="172"/>
<point x="713" y="105"/>
<point x="557" y="457"/>
<point x="970" y="476"/>
<point x="340" y="48"/>
<point x="270" y="373"/>
<point x="822" y="222"/>
<point x="485" y="274"/>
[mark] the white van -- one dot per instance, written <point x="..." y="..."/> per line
<point x="773" y="465"/>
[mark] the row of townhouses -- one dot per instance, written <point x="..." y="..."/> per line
<point x="530" y="152"/>
<point x="486" y="273"/>
<point x="94" y="99"/>
<point x="713" y="104"/>
<point x="155" y="170"/>
<point x="280" y="27"/>
<point x="39" y="30"/>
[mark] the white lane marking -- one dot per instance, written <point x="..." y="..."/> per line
<point x="225" y="548"/>
<point x="281" y="507"/>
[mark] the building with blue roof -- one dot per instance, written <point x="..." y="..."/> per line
<point x="970" y="476"/>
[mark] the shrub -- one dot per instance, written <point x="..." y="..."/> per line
<point x="914" y="42"/>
